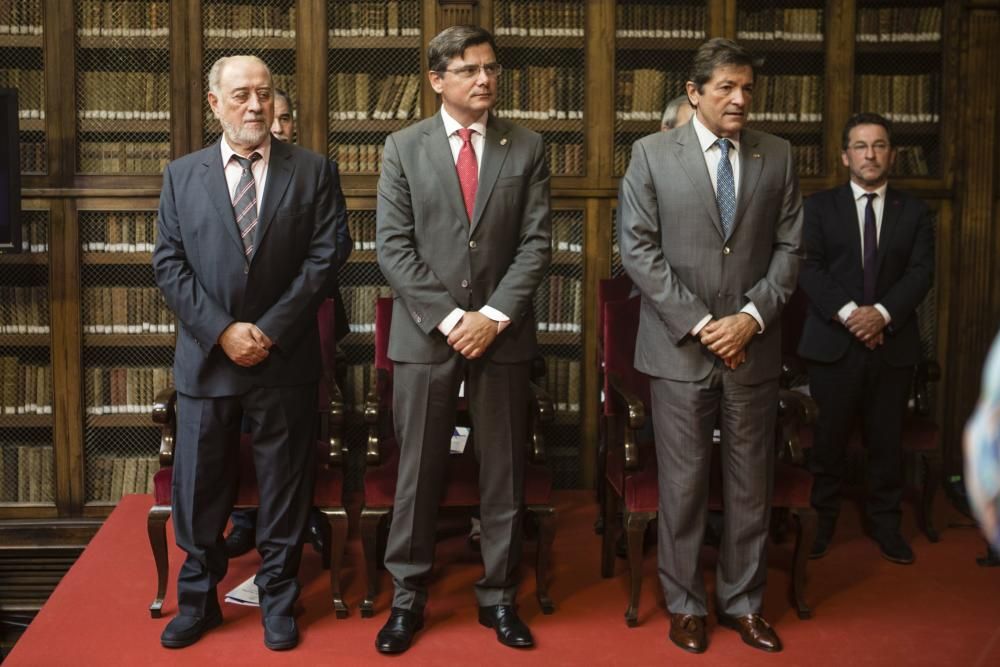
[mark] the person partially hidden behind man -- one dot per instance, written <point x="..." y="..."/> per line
<point x="245" y="248"/>
<point x="676" y="114"/>
<point x="869" y="263"/>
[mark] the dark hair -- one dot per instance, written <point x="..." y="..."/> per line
<point x="452" y="42"/>
<point x="717" y="52"/>
<point x="865" y="118"/>
<point x="278" y="92"/>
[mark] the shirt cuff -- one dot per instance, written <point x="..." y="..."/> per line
<point x="752" y="311"/>
<point x="885" y="313"/>
<point x="448" y="323"/>
<point x="845" y="311"/>
<point x="502" y="320"/>
<point x="701" y="324"/>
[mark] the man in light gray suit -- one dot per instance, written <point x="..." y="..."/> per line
<point x="711" y="226"/>
<point x="464" y="238"/>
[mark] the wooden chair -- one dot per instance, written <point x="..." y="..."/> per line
<point x="631" y="469"/>
<point x="328" y="490"/>
<point x="382" y="459"/>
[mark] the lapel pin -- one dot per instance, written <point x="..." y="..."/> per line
<point x="503" y="142"/>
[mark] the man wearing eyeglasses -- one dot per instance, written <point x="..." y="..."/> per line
<point x="464" y="238"/>
<point x="869" y="263"/>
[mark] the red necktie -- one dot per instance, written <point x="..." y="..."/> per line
<point x="468" y="170"/>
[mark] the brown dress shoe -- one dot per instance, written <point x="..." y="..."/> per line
<point x="688" y="632"/>
<point x="754" y="630"/>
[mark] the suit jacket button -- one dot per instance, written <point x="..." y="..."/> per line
<point x="246" y="269"/>
<point x="465" y="283"/>
<point x="726" y="250"/>
<point x="419" y="319"/>
<point x="472" y="244"/>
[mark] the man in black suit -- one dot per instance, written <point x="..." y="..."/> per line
<point x="869" y="263"/>
<point x="244" y="255"/>
<point x="243" y="535"/>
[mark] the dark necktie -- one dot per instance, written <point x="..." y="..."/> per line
<point x="725" y="188"/>
<point x="468" y="170"/>
<point x="245" y="202"/>
<point x="870" y="250"/>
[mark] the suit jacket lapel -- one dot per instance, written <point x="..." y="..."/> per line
<point x="494" y="153"/>
<point x="751" y="165"/>
<point x="279" y="174"/>
<point x="443" y="164"/>
<point x="847" y="210"/>
<point x="692" y="159"/>
<point x="214" y="180"/>
<point x="891" y="210"/>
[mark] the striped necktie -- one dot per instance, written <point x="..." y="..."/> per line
<point x="725" y="189"/>
<point x="245" y="202"/>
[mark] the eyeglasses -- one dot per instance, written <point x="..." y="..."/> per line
<point x="878" y="147"/>
<point x="492" y="70"/>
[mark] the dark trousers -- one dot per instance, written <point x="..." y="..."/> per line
<point x="205" y="481"/>
<point x="860" y="386"/>
<point x="424" y="404"/>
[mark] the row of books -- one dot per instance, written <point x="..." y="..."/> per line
<point x="359" y="300"/>
<point x="119" y="231"/>
<point x="33" y="157"/>
<point x="902" y="98"/>
<point x="793" y="25"/>
<point x="354" y="97"/>
<point x="559" y="305"/>
<point x="24" y="309"/>
<point x="899" y="24"/>
<point x="125" y="310"/>
<point x="563" y="383"/>
<point x="30" y="85"/>
<point x="541" y="93"/>
<point x="125" y="389"/>
<point x="111" y="477"/>
<point x="539" y="19"/>
<point x="910" y="161"/>
<point x="126" y="95"/>
<point x="26" y="472"/>
<point x="567" y="231"/>
<point x="34" y="233"/>
<point x="374" y="19"/>
<point x="123" y="157"/>
<point x="122" y="18"/>
<point x="808" y="159"/>
<point x="20" y="17"/>
<point x="565" y="159"/>
<point x="358" y="158"/>
<point x="661" y="20"/>
<point x="642" y="94"/>
<point x="25" y="388"/>
<point x="248" y="20"/>
<point x="787" y="98"/>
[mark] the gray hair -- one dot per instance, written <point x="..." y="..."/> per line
<point x="669" y="119"/>
<point x="215" y="74"/>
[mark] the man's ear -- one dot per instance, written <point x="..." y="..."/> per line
<point x="436" y="83"/>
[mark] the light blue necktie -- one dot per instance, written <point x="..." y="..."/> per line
<point x="725" y="193"/>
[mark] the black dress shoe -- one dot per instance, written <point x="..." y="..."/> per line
<point x="280" y="632"/>
<point x="184" y="630"/>
<point x="511" y="630"/>
<point x="397" y="633"/>
<point x="240" y="541"/>
<point x="895" y="549"/>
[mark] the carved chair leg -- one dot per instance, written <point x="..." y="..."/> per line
<point x="779" y="524"/>
<point x="336" y="517"/>
<point x="609" y="505"/>
<point x="806" y="522"/>
<point x="635" y="530"/>
<point x="156" y="526"/>
<point x="370" y="521"/>
<point x="545" y="516"/>
<point x="932" y="480"/>
<point x="600" y="525"/>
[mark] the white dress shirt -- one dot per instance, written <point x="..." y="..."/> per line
<point x="259" y="168"/>
<point x="861" y="203"/>
<point x="712" y="153"/>
<point x="478" y="140"/>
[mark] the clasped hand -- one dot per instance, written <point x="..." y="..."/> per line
<point x="473" y="334"/>
<point x="866" y="324"/>
<point x="728" y="337"/>
<point x="245" y="344"/>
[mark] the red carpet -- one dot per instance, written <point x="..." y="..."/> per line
<point x="944" y="610"/>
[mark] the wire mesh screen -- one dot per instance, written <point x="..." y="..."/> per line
<point x="127" y="355"/>
<point x="265" y="29"/>
<point x="788" y="88"/>
<point x="374" y="78"/>
<point x="898" y="73"/>
<point x="26" y="458"/>
<point x="122" y="86"/>
<point x="22" y="67"/>
<point x="559" y="318"/>
<point x="541" y="48"/>
<point x="616" y="258"/>
<point x="653" y="47"/>
<point x="927" y="314"/>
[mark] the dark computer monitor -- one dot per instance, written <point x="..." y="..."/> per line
<point x="10" y="173"/>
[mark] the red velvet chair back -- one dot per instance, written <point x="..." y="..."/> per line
<point x="621" y="325"/>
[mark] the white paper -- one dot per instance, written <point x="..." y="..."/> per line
<point x="458" y="439"/>
<point x="244" y="594"/>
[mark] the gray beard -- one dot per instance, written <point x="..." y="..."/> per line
<point x="245" y="136"/>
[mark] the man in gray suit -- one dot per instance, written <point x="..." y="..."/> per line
<point x="464" y="238"/>
<point x="711" y="227"/>
<point x="244" y="254"/>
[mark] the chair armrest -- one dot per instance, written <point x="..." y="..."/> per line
<point x="795" y="410"/>
<point x="165" y="416"/>
<point x="542" y="412"/>
<point x="793" y="372"/>
<point x="335" y="424"/>
<point x="372" y="418"/>
<point x="927" y="371"/>
<point x="636" y="410"/>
